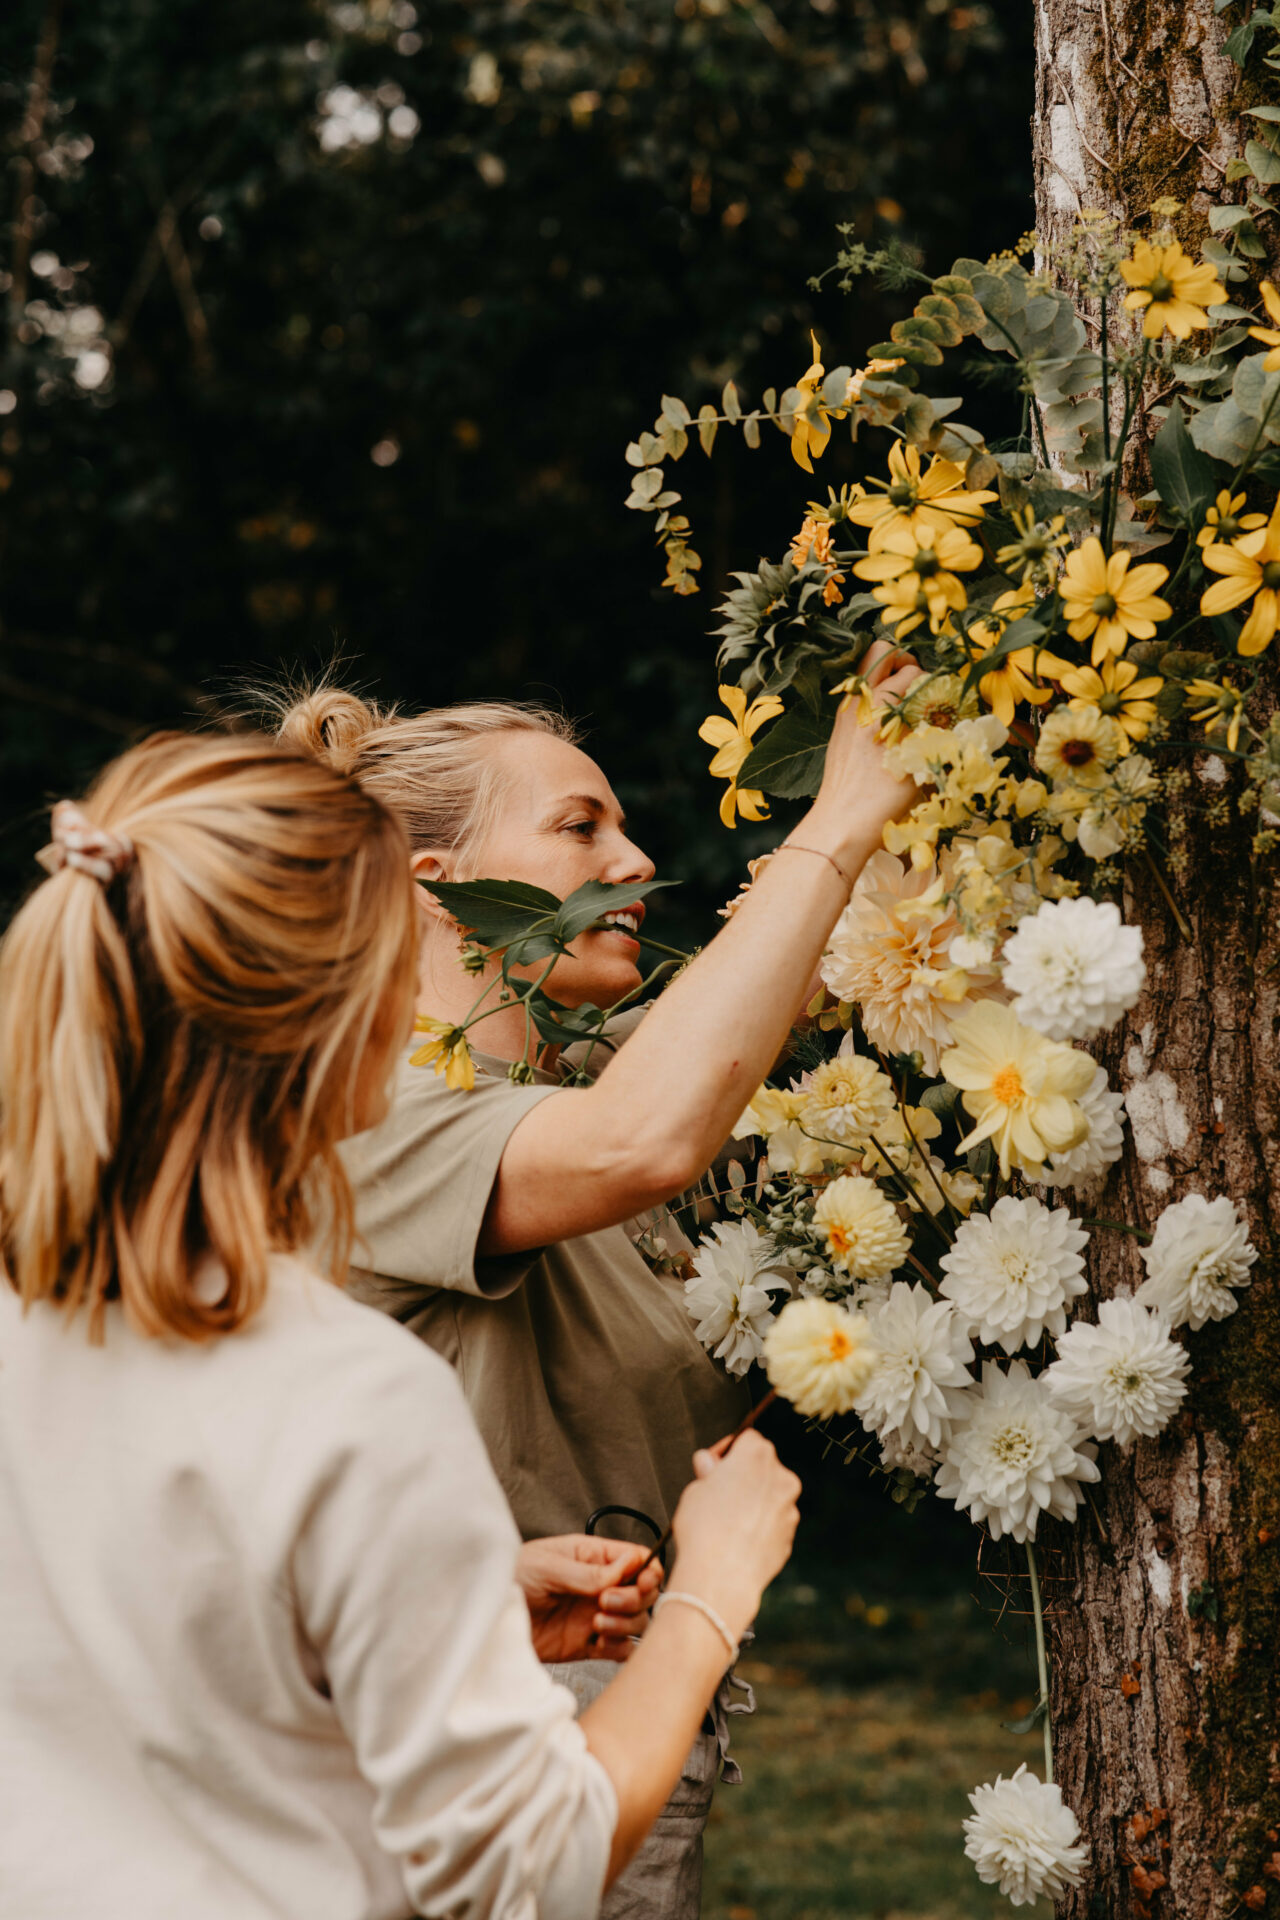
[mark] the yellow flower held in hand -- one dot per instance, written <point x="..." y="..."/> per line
<point x="1270" y="336"/>
<point x="1115" y="689"/>
<point x="911" y="567"/>
<point x="1170" y="290"/>
<point x="819" y="1356"/>
<point x="447" y="1051"/>
<point x="864" y="1236"/>
<point x="732" y="740"/>
<point x="918" y="503"/>
<point x="1251" y="565"/>
<point x="1020" y="1088"/>
<point x="1110" y="600"/>
<point x="1225" y="522"/>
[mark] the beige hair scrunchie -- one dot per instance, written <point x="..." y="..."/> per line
<point x="78" y="843"/>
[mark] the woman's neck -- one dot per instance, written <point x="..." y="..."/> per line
<point x="446" y="992"/>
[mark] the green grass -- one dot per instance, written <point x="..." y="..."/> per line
<point x="875" y="1719"/>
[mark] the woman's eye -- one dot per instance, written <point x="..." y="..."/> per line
<point x="585" y="827"/>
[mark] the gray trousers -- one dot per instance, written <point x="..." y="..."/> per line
<point x="664" y="1880"/>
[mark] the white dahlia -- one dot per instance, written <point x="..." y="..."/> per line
<point x="731" y="1294"/>
<point x="1199" y="1253"/>
<point x="1013" y="1455"/>
<point x="1012" y="1272"/>
<point x="1123" y="1377"/>
<point x="894" y="964"/>
<point x="819" y="1356"/>
<point x="847" y="1099"/>
<point x="1022" y="1838"/>
<point x="864" y="1236"/>
<point x="1101" y="1147"/>
<point x="917" y="1385"/>
<point x="1073" y="968"/>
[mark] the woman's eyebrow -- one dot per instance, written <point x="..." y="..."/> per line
<point x="593" y="806"/>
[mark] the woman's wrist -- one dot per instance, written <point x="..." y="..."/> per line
<point x="850" y="842"/>
<point x="736" y="1600"/>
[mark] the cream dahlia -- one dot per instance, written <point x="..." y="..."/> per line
<point x="1073" y="968"/>
<point x="1199" y="1254"/>
<point x="1013" y="1455"/>
<point x="1124" y="1377"/>
<point x="819" y="1356"/>
<point x="1102" y="1145"/>
<point x="847" y="1099"/>
<point x="731" y="1294"/>
<point x="1013" y="1272"/>
<point x="1022" y="1838"/>
<point x="917" y="1385"/>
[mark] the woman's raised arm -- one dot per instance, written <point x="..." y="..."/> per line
<point x="667" y="1101"/>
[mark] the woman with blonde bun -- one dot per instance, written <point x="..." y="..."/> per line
<point x="513" y="1226"/>
<point x="264" y="1649"/>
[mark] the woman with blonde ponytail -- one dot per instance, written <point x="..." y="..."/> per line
<point x="269" y="1643"/>
<point x="522" y="1229"/>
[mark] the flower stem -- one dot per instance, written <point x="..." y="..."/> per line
<point x="748" y="1420"/>
<point x="1173" y="906"/>
<point x="1042" y="1661"/>
<point x="1120" y="1226"/>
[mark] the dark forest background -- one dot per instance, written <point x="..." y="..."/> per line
<point x="326" y="325"/>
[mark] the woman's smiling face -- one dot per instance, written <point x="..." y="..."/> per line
<point x="560" y="825"/>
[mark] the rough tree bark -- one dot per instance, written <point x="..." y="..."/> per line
<point x="1164" y="1633"/>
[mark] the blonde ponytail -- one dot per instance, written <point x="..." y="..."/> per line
<point x="434" y="770"/>
<point x="181" y="1043"/>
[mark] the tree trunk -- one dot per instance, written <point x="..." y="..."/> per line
<point x="1164" y="1633"/>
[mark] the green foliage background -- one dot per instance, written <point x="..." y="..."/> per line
<point x="603" y="200"/>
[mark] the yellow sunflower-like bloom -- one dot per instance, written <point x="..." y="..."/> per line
<point x="811" y="426"/>
<point x="819" y="1356"/>
<point x="1014" y="679"/>
<point x="919" y="503"/>
<point x="1170" y="290"/>
<point x="732" y="741"/>
<point x="447" y="1051"/>
<point x="1251" y="566"/>
<point x="1110" y="600"/>
<point x="909" y="568"/>
<point x="1115" y="689"/>
<point x="1035" y="552"/>
<point x="1224" y="711"/>
<point x="1080" y="744"/>
<point x="1224" y="521"/>
<point x="1020" y="1088"/>
<point x="1270" y="336"/>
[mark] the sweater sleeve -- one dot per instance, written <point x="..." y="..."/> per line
<point x="404" y="1580"/>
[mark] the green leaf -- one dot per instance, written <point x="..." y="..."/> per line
<point x="674" y="411"/>
<point x="495" y="911"/>
<point x="1253" y="390"/>
<point x="584" y="907"/>
<point x="751" y="429"/>
<point x="1237" y="46"/>
<point x="1028" y="1720"/>
<point x="788" y="761"/>
<point x="1223" y="432"/>
<point x="729" y="401"/>
<point x="1263" y="163"/>
<point x="1184" y="477"/>
<point x="1222" y="217"/>
<point x="1020" y="633"/>
<point x="1264" y="113"/>
<point x="707" y="425"/>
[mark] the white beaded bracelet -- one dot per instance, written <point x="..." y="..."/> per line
<point x="707" y="1611"/>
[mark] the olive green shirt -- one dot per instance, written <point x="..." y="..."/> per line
<point x="579" y="1360"/>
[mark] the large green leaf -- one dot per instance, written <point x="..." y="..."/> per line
<point x="584" y="907"/>
<point x="496" y="911"/>
<point x="1184" y="476"/>
<point x="789" y="760"/>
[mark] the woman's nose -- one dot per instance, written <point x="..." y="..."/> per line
<point x="630" y="863"/>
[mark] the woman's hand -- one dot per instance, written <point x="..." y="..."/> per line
<point x="858" y="792"/>
<point x="734" y="1527"/>
<point x="580" y="1605"/>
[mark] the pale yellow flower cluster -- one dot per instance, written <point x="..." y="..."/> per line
<point x="1022" y="1089"/>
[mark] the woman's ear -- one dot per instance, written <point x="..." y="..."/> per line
<point x="429" y="866"/>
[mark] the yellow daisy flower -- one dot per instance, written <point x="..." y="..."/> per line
<point x="1020" y="1088"/>
<point x="909" y="565"/>
<point x="1037" y="547"/>
<point x="1115" y="689"/>
<point x="919" y="503"/>
<point x="1270" y="336"/>
<point x="1106" y="599"/>
<point x="1170" y="290"/>
<point x="1225" y="709"/>
<point x="1251" y="565"/>
<point x="1224" y="521"/>
<point x="1079" y="744"/>
<point x="1014" y="678"/>
<point x="447" y="1051"/>
<point x="811" y="428"/>
<point x="732" y="740"/>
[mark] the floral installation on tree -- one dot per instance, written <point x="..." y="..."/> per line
<point x="911" y="1250"/>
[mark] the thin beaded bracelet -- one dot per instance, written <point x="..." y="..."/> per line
<point x="793" y="846"/>
<point x="705" y="1608"/>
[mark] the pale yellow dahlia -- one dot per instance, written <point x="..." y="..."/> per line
<point x="893" y="965"/>
<point x="819" y="1356"/>
<point x="864" y="1236"/>
<point x="1109" y="600"/>
<point x="847" y="1099"/>
<point x="732" y="740"/>
<point x="1080" y="744"/>
<point x="918" y="503"/>
<point x="1170" y="290"/>
<point x="1021" y="1089"/>
<point x="1115" y="689"/>
<point x="1251" y="566"/>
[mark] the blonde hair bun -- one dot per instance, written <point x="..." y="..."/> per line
<point x="330" y="725"/>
